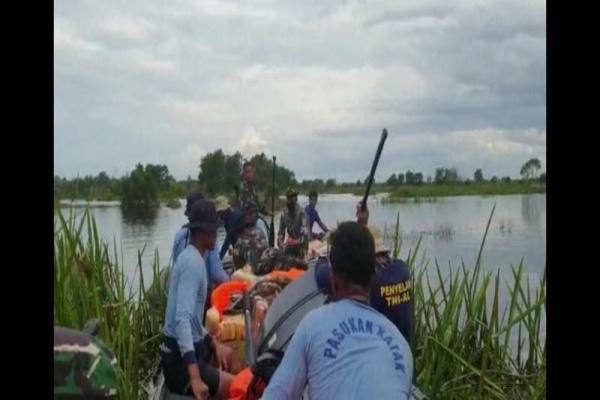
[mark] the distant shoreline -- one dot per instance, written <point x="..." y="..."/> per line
<point x="389" y="195"/>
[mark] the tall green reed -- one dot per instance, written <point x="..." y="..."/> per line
<point x="89" y="282"/>
<point x="462" y="336"/>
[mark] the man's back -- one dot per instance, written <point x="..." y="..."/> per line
<point x="392" y="295"/>
<point x="344" y="350"/>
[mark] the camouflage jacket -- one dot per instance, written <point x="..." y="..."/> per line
<point x="294" y="225"/>
<point x="249" y="247"/>
<point x="249" y="198"/>
<point x="83" y="366"/>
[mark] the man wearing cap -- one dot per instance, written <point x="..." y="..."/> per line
<point x="293" y="222"/>
<point x="232" y="222"/>
<point x="187" y="348"/>
<point x="345" y="349"/>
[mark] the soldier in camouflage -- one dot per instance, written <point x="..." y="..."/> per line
<point x="249" y="247"/>
<point x="293" y="222"/>
<point x="84" y="368"/>
<point x="248" y="198"/>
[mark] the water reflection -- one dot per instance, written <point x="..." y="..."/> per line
<point x="530" y="209"/>
<point x="144" y="216"/>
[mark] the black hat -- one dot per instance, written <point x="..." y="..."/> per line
<point x="190" y="200"/>
<point x="203" y="215"/>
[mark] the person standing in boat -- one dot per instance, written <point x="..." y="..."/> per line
<point x="312" y="215"/>
<point x="346" y="349"/>
<point x="187" y="348"/>
<point x="249" y="203"/>
<point x="293" y="222"/>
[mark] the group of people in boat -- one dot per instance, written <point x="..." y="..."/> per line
<point x="356" y="346"/>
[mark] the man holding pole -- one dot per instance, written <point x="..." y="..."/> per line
<point x="293" y="222"/>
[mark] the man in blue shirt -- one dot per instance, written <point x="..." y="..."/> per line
<point x="232" y="221"/>
<point x="214" y="265"/>
<point x="187" y="348"/>
<point x="346" y="349"/>
<point x="312" y="215"/>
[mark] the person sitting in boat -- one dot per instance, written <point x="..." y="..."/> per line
<point x="391" y="293"/>
<point x="292" y="222"/>
<point x="214" y="265"/>
<point x="232" y="221"/>
<point x="312" y="215"/>
<point x="346" y="349"/>
<point x="186" y="348"/>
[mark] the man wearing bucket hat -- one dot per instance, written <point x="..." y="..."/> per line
<point x="181" y="239"/>
<point x="214" y="265"/>
<point x="187" y="348"/>
<point x="293" y="222"/>
<point x="232" y="222"/>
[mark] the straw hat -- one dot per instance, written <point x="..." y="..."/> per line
<point x="380" y="246"/>
<point x="221" y="203"/>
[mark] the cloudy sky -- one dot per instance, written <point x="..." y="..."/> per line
<point x="456" y="83"/>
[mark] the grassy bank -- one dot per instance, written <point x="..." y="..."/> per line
<point x="461" y="341"/>
<point x="473" y="189"/>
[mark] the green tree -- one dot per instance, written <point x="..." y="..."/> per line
<point x="494" y="179"/>
<point x="543" y="177"/>
<point x="212" y="173"/>
<point x="392" y="180"/>
<point x="410" y="177"/>
<point x="418" y="178"/>
<point x="446" y="175"/>
<point x="530" y="168"/>
<point x="506" y="179"/>
<point x="478" y="175"/>
<point x="401" y="179"/>
<point x="142" y="186"/>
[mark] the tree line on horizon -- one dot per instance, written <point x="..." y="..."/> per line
<point x="220" y="173"/>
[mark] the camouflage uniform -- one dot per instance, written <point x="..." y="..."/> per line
<point x="295" y="226"/>
<point x="249" y="247"/>
<point x="249" y="198"/>
<point x="83" y="367"/>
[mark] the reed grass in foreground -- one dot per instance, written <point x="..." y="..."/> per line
<point x="461" y="343"/>
<point x="90" y="283"/>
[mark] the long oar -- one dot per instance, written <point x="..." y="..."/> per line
<point x="272" y="227"/>
<point x="374" y="168"/>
